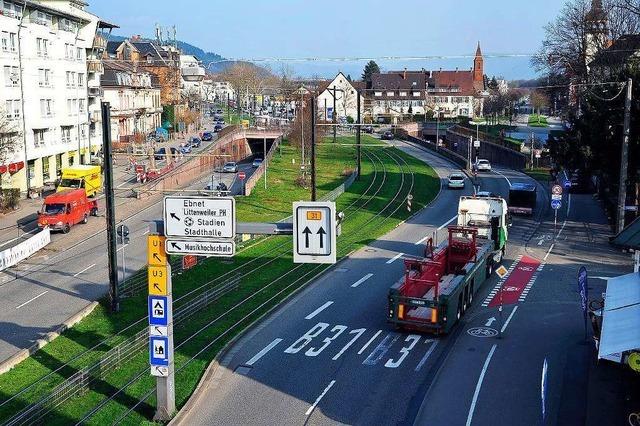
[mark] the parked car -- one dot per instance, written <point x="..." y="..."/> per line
<point x="160" y="154"/>
<point x="217" y="127"/>
<point x="219" y="111"/>
<point x="482" y="165"/>
<point x="456" y="180"/>
<point x="195" y="142"/>
<point x="230" y="167"/>
<point x="367" y="129"/>
<point x="207" y="136"/>
<point x="256" y="163"/>
<point x="185" y="149"/>
<point x="64" y="209"/>
<point x="218" y="115"/>
<point x="220" y="120"/>
<point x="387" y="136"/>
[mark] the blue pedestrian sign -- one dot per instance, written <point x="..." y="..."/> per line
<point x="556" y="204"/>
<point x="158" y="310"/>
<point x="158" y="351"/>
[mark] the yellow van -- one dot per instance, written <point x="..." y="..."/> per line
<point x="245" y="124"/>
<point x="87" y="177"/>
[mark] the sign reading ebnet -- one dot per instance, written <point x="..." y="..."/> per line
<point x="199" y="217"/>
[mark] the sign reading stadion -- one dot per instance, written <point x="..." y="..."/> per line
<point x="201" y="226"/>
<point x="199" y="217"/>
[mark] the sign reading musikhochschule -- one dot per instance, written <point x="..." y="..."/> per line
<point x="199" y="217"/>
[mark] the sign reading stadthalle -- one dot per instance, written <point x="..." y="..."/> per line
<point x="199" y="217"/>
<point x="314" y="232"/>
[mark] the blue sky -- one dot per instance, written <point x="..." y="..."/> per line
<point x="346" y="28"/>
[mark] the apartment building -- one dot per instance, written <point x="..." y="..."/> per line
<point x="134" y="97"/>
<point x="49" y="56"/>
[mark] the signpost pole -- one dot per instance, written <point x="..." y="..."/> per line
<point x="313" y="148"/>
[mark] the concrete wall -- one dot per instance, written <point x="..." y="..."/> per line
<point x="496" y="154"/>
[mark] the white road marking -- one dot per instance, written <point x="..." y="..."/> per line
<point x="506" y="178"/>
<point x="361" y="280"/>
<point x="320" y="309"/>
<point x="569" y="205"/>
<point x="84" y="270"/>
<point x="31" y="300"/>
<point x="479" y="384"/>
<point x="122" y="247"/>
<point x="394" y="258"/>
<point x="145" y="232"/>
<point x="548" y="252"/>
<point x="602" y="278"/>
<point x="490" y="321"/>
<point x="263" y="352"/>
<point x="504" y="327"/>
<point x="540" y="242"/>
<point x="366" y="345"/>
<point x="448" y="222"/>
<point x="359" y="332"/>
<point x="315" y="404"/>
<point x="382" y="348"/>
<point x="423" y="240"/>
<point x="427" y="355"/>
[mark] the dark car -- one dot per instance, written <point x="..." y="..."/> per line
<point x="367" y="129"/>
<point x="387" y="136"/>
<point x="160" y="154"/>
<point x="194" y="142"/>
<point x="217" y="127"/>
<point x="207" y="136"/>
<point x="220" y="120"/>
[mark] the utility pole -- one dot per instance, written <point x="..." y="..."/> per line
<point x="624" y="161"/>
<point x="358" y="135"/>
<point x="313" y="148"/>
<point x="110" y="204"/>
<point x="301" y="114"/>
<point x="532" y="145"/>
<point x="264" y="162"/>
<point x="333" y="116"/>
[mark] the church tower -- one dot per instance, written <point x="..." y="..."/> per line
<point x="597" y="33"/>
<point x="478" y="69"/>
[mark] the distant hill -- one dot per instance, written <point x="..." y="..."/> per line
<point x="188" y="49"/>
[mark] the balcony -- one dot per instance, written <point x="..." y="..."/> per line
<point x="193" y="73"/>
<point x="96" y="92"/>
<point x="95" y="66"/>
<point x="99" y="42"/>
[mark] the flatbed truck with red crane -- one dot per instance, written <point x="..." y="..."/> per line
<point x="438" y="289"/>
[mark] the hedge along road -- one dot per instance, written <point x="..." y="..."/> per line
<point x="384" y="174"/>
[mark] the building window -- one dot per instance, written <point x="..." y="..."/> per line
<point x="46" y="108"/>
<point x="81" y="105"/>
<point x="416" y="93"/>
<point x="31" y="169"/>
<point x="67" y="25"/>
<point x="45" y="169"/>
<point x="403" y="93"/>
<point x="39" y="136"/>
<point x="80" y="80"/>
<point x="389" y="93"/>
<point x="65" y="134"/>
<point x="44" y="77"/>
<point x="58" y="164"/>
<point x="41" y="18"/>
<point x="79" y="53"/>
<point x="13" y="109"/>
<point x="8" y="41"/>
<point x="11" y="76"/>
<point x="12" y="10"/>
<point x="42" y="47"/>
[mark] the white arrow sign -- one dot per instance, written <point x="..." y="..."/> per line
<point x="199" y="217"/>
<point x="490" y="321"/>
<point x="200" y="247"/>
<point x="314" y="232"/>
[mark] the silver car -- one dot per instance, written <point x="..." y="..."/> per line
<point x="230" y="167"/>
<point x="483" y="165"/>
<point x="456" y="181"/>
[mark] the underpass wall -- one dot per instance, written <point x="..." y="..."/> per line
<point x="255" y="177"/>
<point x="459" y="141"/>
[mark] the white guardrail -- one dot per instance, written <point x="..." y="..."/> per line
<point x="14" y="255"/>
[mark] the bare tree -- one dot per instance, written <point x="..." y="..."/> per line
<point x="248" y="79"/>
<point x="9" y="139"/>
<point x="539" y="100"/>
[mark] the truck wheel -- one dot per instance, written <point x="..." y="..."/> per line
<point x="85" y="219"/>
<point x="94" y="211"/>
<point x="66" y="228"/>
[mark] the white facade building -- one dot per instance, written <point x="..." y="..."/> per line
<point x="50" y="81"/>
<point x="346" y="99"/>
<point x="192" y="73"/>
<point x="134" y="97"/>
<point x="218" y="91"/>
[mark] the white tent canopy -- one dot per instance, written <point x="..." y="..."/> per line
<point x="621" y="316"/>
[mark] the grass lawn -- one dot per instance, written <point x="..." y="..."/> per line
<point x="259" y="288"/>
<point x="539" y="173"/>
<point x="536" y="120"/>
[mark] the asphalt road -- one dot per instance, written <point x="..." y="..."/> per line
<point x="45" y="290"/>
<point x="329" y="356"/>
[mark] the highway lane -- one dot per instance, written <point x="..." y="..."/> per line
<point x="328" y="356"/>
<point x="45" y="290"/>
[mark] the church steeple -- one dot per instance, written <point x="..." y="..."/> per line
<point x="597" y="33"/>
<point x="478" y="66"/>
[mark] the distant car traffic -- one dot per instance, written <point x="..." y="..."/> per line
<point x="367" y="129"/>
<point x="256" y="163"/>
<point x="207" y="136"/>
<point x="185" y="149"/>
<point x="387" y="136"/>
<point x="456" y="181"/>
<point x="230" y="167"/>
<point x="217" y="127"/>
<point x="194" y="142"/>
<point x="482" y="165"/>
<point x="220" y="120"/>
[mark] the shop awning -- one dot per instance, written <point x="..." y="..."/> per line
<point x="621" y="316"/>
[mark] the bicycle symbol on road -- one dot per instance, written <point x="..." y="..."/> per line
<point x="510" y="289"/>
<point x="526" y="268"/>
<point x="482" y="332"/>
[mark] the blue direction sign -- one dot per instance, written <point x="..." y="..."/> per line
<point x="158" y="351"/>
<point x="556" y="204"/>
<point x="158" y="310"/>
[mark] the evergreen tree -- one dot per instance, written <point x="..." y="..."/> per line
<point x="369" y="69"/>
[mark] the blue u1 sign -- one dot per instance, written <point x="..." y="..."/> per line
<point x="556" y="204"/>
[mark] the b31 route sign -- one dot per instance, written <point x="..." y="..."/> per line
<point x="314" y="232"/>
